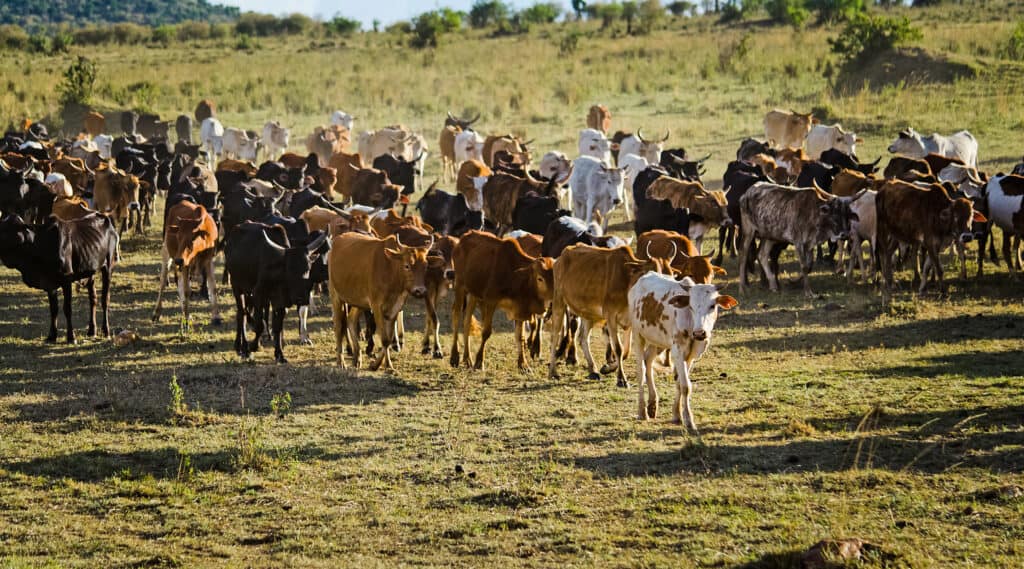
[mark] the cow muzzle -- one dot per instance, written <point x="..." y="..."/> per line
<point x="134" y="206"/>
<point x="179" y="263"/>
<point x="419" y="292"/>
<point x="727" y="222"/>
<point x="449" y="275"/>
<point x="699" y="335"/>
<point x="616" y="201"/>
<point x="966" y="237"/>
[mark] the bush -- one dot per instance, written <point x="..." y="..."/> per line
<point x="78" y="83"/>
<point x="791" y="12"/>
<point x="488" y="13"/>
<point x="651" y="13"/>
<point x="164" y="34"/>
<point x="541" y="13"/>
<point x="13" y="37"/>
<point x="608" y="13"/>
<point x="569" y="43"/>
<point x="343" y="26"/>
<point x="836" y="10"/>
<point x="682" y="8"/>
<point x="867" y="35"/>
<point x="429" y="26"/>
<point x="295" y="24"/>
<point x="1014" y="46"/>
<point x="253" y="24"/>
<point x="61" y="42"/>
<point x="187" y="31"/>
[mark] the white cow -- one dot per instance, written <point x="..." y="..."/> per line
<point x="237" y="144"/>
<point x="647" y="149"/>
<point x="555" y="166"/>
<point x="104" y="145"/>
<point x="594" y="143"/>
<point x="374" y="143"/>
<point x="966" y="179"/>
<point x="211" y="137"/>
<point x="1005" y="197"/>
<point x="960" y="145"/>
<point x="469" y="145"/>
<point x="344" y="119"/>
<point x="631" y="165"/>
<point x="275" y="139"/>
<point x="862" y="229"/>
<point x="595" y="187"/>
<point x="678" y="316"/>
<point x="825" y="137"/>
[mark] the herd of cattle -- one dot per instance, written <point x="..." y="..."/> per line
<point x="528" y="238"/>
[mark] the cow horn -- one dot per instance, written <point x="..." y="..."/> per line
<point x="648" y="251"/>
<point x="316" y="243"/>
<point x="532" y="179"/>
<point x="877" y="160"/>
<point x="640" y="134"/>
<point x="709" y="156"/>
<point x="452" y="117"/>
<point x="675" y="249"/>
<point x="710" y="255"/>
<point x="721" y="286"/>
<point x="431" y="244"/>
<point x="273" y="245"/>
<point x="399" y="239"/>
<point x="668" y="133"/>
<point x="527" y="143"/>
<point x="814" y="183"/>
<point x="422" y="154"/>
<point x="971" y="177"/>
<point x="476" y="118"/>
<point x="567" y="175"/>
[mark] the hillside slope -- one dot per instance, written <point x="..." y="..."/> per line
<point x="32" y="13"/>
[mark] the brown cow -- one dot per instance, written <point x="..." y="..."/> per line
<point x="75" y="170"/>
<point x="244" y="166"/>
<point x="530" y="242"/>
<point x="347" y="165"/>
<point x="496" y="273"/>
<point x="464" y="183"/>
<point x="293" y="160"/>
<point x="792" y="160"/>
<point x="593" y="283"/>
<point x="898" y="166"/>
<point x="681" y="253"/>
<point x="936" y="162"/>
<point x="373" y="274"/>
<point x="372" y="187"/>
<point x="508" y="143"/>
<point x="921" y="218"/>
<point x="447" y="147"/>
<point x="326" y="141"/>
<point x="440" y="275"/>
<point x="709" y="206"/>
<point x="67" y="209"/>
<point x="94" y="123"/>
<point x="334" y="223"/>
<point x="599" y="118"/>
<point x="117" y="192"/>
<point x="204" y="110"/>
<point x="848" y="182"/>
<point x="387" y="222"/>
<point x="502" y="191"/>
<point x="190" y="239"/>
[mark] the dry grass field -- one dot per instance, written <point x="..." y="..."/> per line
<point x="828" y="417"/>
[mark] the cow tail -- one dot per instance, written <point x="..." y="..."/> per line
<point x="474" y="327"/>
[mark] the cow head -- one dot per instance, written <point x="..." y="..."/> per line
<point x="966" y="179"/>
<point x="464" y="124"/>
<point x="594" y="143"/>
<point x="609" y="183"/>
<point x="127" y="185"/>
<point x="652" y="149"/>
<point x="541" y="272"/>
<point x="908" y="143"/>
<point x="834" y="217"/>
<point x="190" y="236"/>
<point x="956" y="218"/>
<point x="412" y="262"/>
<point x="702" y="301"/>
<point x="14" y="235"/>
<point x="845" y="142"/>
<point x="300" y="263"/>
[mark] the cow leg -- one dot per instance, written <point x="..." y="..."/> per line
<point x="856" y="255"/>
<point x="932" y="261"/>
<point x="241" y="344"/>
<point x="487" y="322"/>
<point x="340" y="326"/>
<point x="303" y="326"/>
<point x="66" y="288"/>
<point x="90" y="287"/>
<point x="467" y="325"/>
<point x="458" y="299"/>
<point x="105" y="298"/>
<point x="535" y="336"/>
<point x="386" y="327"/>
<point x="982" y="242"/>
<point x="806" y="256"/>
<point x="557" y="338"/>
<point x="399" y="335"/>
<point x="585" y="326"/>
<point x="886" y="247"/>
<point x="215" y="318"/>
<point x="570" y="338"/>
<point x="611" y="358"/>
<point x="746" y="248"/>
<point x="520" y="332"/>
<point x="369" y="319"/>
<point x="723" y="236"/>
<point x="432" y="332"/>
<point x="51" y="295"/>
<point x="353" y="335"/>
<point x="616" y="345"/>
<point x="645" y="361"/>
<point x="163" y="284"/>
<point x="278" y="331"/>
<point x="764" y="255"/>
<point x="682" y="412"/>
<point x="961" y="253"/>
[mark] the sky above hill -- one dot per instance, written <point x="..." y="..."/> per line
<point x="366" y="11"/>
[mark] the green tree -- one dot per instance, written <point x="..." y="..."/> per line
<point x="836" y="10"/>
<point x="578" y="6"/>
<point x="629" y="13"/>
<point x="541" y="13"/>
<point x="651" y="14"/>
<point x="344" y="26"/>
<point x="682" y="8"/>
<point x="865" y="35"/>
<point x="488" y="13"/>
<point x="428" y="27"/>
<point x="608" y="13"/>
<point x="790" y="12"/>
<point x="78" y="83"/>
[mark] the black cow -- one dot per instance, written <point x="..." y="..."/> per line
<point x="656" y="214"/>
<point x="534" y="212"/>
<point x="187" y="149"/>
<point x="53" y="255"/>
<point x="738" y="178"/>
<point x="268" y="273"/>
<point x="307" y="198"/>
<point x="817" y="173"/>
<point x="129" y="122"/>
<point x="566" y="231"/>
<point x="676" y="162"/>
<point x="290" y="178"/>
<point x="843" y="160"/>
<point x="150" y="126"/>
<point x="448" y="214"/>
<point x="399" y="171"/>
<point x="750" y="147"/>
<point x="183" y="128"/>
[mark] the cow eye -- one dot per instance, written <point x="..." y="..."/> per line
<point x="408" y="267"/>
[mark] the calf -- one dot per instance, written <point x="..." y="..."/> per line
<point x="268" y="272"/>
<point x="440" y="276"/>
<point x="675" y="316"/>
<point x="501" y="193"/>
<point x="400" y="172"/>
<point x="55" y="254"/>
<point x="496" y="273"/>
<point x="680" y="253"/>
<point x="347" y="166"/>
<point x="783" y="214"/>
<point x="237" y="144"/>
<point x="190" y="238"/>
<point x="117" y="192"/>
<point x="373" y="274"/>
<point x="448" y="214"/>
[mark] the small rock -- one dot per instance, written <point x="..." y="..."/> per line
<point x="823" y="553"/>
<point x="723" y="375"/>
<point x="459" y="469"/>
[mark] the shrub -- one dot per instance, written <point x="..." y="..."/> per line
<point x="682" y="8"/>
<point x="61" y="42"/>
<point x="651" y="13"/>
<point x="1014" y="46"/>
<point x="78" y="83"/>
<point x="177" y="406"/>
<point x="608" y="13"/>
<point x="281" y="404"/>
<point x="836" y="10"/>
<point x="13" y="37"/>
<point x="164" y="34"/>
<point x="488" y="13"/>
<point x="569" y="43"/>
<point x="343" y="26"/>
<point x="866" y="35"/>
<point x="791" y="12"/>
<point x="38" y="43"/>
<point x="253" y="24"/>
<point x="429" y="26"/>
<point x="191" y="30"/>
<point x="541" y="13"/>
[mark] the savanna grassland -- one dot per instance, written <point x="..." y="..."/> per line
<point x="824" y="417"/>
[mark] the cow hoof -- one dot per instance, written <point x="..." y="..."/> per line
<point x="454" y="360"/>
<point x="425" y="350"/>
<point x="571" y="360"/>
<point x="594" y="375"/>
<point x="438" y="354"/>
<point x="652" y="410"/>
<point x="51" y="339"/>
<point x="622" y="383"/>
<point x="217" y="321"/>
<point x="281" y="360"/>
<point x="609" y="368"/>
<point x="306" y="342"/>
<point x="677" y="421"/>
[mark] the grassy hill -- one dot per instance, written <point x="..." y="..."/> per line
<point x="34" y="13"/>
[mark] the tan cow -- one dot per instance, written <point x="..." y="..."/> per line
<point x="67" y="209"/>
<point x="710" y="206"/>
<point x="464" y="184"/>
<point x="387" y="222"/>
<point x="326" y="141"/>
<point x="785" y="129"/>
<point x="447" y="146"/>
<point x="680" y="253"/>
<point x="75" y="170"/>
<point x="190" y="239"/>
<point x="116" y="192"/>
<point x="347" y="166"/>
<point x="508" y="143"/>
<point x="94" y="123"/>
<point x="599" y="118"/>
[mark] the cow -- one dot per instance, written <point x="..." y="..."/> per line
<point x="371" y="187"/>
<point x="336" y="222"/>
<point x="960" y="145"/>
<point x="848" y="161"/>
<point x="325" y="141"/>
<point x="276" y="138"/>
<point x="466" y="183"/>
<point x="632" y="166"/>
<point x="501" y="193"/>
<point x="1004" y="197"/>
<point x="205" y="109"/>
<point x="707" y="209"/>
<point x="74" y="170"/>
<point x="151" y="127"/>
<point x="599" y="118"/>
<point x="750" y="147"/>
<point x="862" y="229"/>
<point x="367" y="273"/>
<point x="781" y="214"/>
<point x="347" y="165"/>
<point x="183" y="128"/>
<point x="268" y="272"/>
<point x="237" y="144"/>
<point x="400" y="171"/>
<point x="388" y="222"/>
<point x="850" y="182"/>
<point x="446" y="144"/>
<point x="439" y="278"/>
<point x="508" y="143"/>
<point x="787" y="129"/>
<point x="211" y="137"/>
<point x="792" y="159"/>
<point x="67" y="209"/>
<point x="899" y="166"/>
<point x="596" y="188"/>
<point x="647" y="149"/>
<point x="469" y="145"/>
<point x="655" y="213"/>
<point x="938" y="162"/>
<point x="678" y="316"/>
<point x="534" y="212"/>
<point x="594" y="143"/>
<point x="464" y="124"/>
<point x="925" y="218"/>
<point x="341" y="118"/>
<point x="680" y="253"/>
<point x="129" y="122"/>
<point x="593" y="283"/>
<point x="55" y="254"/>
<point x="94" y="123"/>
<point x="117" y="192"/>
<point x="384" y="141"/>
<point x="831" y="137"/>
<point x="189" y="244"/>
<point x="283" y="176"/>
<point x="566" y="231"/>
<point x="448" y="214"/>
<point x="676" y="161"/>
<point x="496" y="273"/>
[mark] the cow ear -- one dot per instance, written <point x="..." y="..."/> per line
<point x="824" y="208"/>
<point x="393" y="253"/>
<point x="718" y="270"/>
<point x="854" y="217"/>
<point x="680" y="300"/>
<point x="726" y="302"/>
<point x="978" y="217"/>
